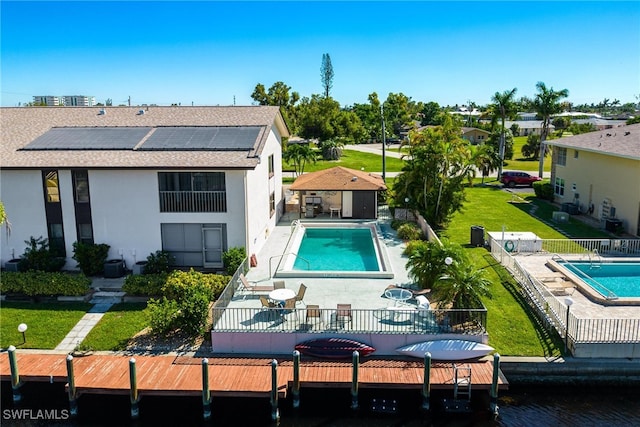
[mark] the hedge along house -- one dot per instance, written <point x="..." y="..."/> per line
<point x="193" y="181"/>
<point x="339" y="191"/>
<point x="600" y="172"/>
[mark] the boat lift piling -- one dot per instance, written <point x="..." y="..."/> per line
<point x="426" y="384"/>
<point x="133" y="389"/>
<point x="206" y="392"/>
<point x="493" y="406"/>
<point x="296" y="379"/>
<point x="15" y="375"/>
<point x="73" y="402"/>
<point x="354" y="380"/>
<point x="275" y="413"/>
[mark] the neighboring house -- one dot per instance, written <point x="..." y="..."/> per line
<point x="601" y="124"/>
<point x="194" y="181"/>
<point x="528" y="127"/>
<point x="600" y="171"/>
<point x="346" y="192"/>
<point x="474" y="135"/>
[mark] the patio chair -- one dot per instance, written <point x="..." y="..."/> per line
<point x="278" y="284"/>
<point x="288" y="308"/>
<point x="267" y="305"/>
<point x="301" y="292"/>
<point x="313" y="312"/>
<point x="344" y="315"/>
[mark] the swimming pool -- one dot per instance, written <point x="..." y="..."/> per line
<point x="612" y="280"/>
<point x="335" y="250"/>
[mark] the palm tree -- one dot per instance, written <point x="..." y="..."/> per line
<point x="546" y="104"/>
<point x="504" y="107"/>
<point x="299" y="155"/>
<point x="426" y="261"/>
<point x="462" y="286"/>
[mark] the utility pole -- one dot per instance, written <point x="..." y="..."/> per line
<point x="384" y="144"/>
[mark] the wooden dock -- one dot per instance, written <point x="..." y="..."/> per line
<point x="166" y="375"/>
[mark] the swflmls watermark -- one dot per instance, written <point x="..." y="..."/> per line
<point x="35" y="414"/>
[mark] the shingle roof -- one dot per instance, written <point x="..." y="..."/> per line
<point x="339" y="179"/>
<point x="20" y="126"/>
<point x="623" y="141"/>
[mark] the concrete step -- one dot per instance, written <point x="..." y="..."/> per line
<point x="103" y="297"/>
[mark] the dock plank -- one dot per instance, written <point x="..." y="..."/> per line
<point x="170" y="375"/>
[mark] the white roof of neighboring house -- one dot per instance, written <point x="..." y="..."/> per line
<point x="69" y="137"/>
<point x="526" y="124"/>
<point x="622" y="141"/>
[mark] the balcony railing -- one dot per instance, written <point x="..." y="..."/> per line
<point x="193" y="201"/>
<point x="394" y="320"/>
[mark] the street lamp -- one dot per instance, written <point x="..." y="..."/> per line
<point x="22" y="327"/>
<point x="406" y="208"/>
<point x="568" y="301"/>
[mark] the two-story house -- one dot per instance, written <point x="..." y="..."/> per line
<point x="193" y="181"/>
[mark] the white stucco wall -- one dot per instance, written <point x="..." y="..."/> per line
<point x="21" y="194"/>
<point x="259" y="186"/>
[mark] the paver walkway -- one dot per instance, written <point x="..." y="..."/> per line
<point x="80" y="331"/>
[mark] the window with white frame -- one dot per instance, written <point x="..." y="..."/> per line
<point x="559" y="187"/>
<point x="562" y="156"/>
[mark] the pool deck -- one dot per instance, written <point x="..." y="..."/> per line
<point x="582" y="307"/>
<point x="364" y="293"/>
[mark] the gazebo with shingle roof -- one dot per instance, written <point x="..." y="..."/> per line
<point x="339" y="191"/>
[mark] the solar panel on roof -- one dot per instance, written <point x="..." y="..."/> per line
<point x="93" y="138"/>
<point x="214" y="138"/>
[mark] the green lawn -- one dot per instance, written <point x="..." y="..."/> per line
<point x="520" y="163"/>
<point x="116" y="327"/>
<point x="354" y="160"/>
<point x="512" y="327"/>
<point x="48" y="323"/>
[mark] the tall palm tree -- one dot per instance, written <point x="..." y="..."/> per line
<point x="504" y="106"/>
<point x="547" y="103"/>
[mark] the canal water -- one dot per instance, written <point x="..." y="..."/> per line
<point x="46" y="404"/>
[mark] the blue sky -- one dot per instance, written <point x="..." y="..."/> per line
<point x="207" y="53"/>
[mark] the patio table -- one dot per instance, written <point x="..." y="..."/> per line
<point x="281" y="295"/>
<point x="398" y="294"/>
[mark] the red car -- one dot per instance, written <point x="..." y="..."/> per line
<point x="513" y="178"/>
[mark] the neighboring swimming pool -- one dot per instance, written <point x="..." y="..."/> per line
<point x="619" y="279"/>
<point x="335" y="250"/>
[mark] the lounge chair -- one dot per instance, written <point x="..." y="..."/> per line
<point x="252" y="287"/>
<point x="301" y="292"/>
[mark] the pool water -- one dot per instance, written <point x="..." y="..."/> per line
<point x="337" y="249"/>
<point x="621" y="278"/>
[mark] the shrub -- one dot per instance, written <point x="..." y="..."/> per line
<point x="91" y="257"/>
<point x="148" y="284"/>
<point x="185" y="302"/>
<point x="39" y="283"/>
<point x="159" y="262"/>
<point x="543" y="190"/>
<point x="163" y="314"/>
<point x="409" y="231"/>
<point x="233" y="258"/>
<point x="38" y="256"/>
